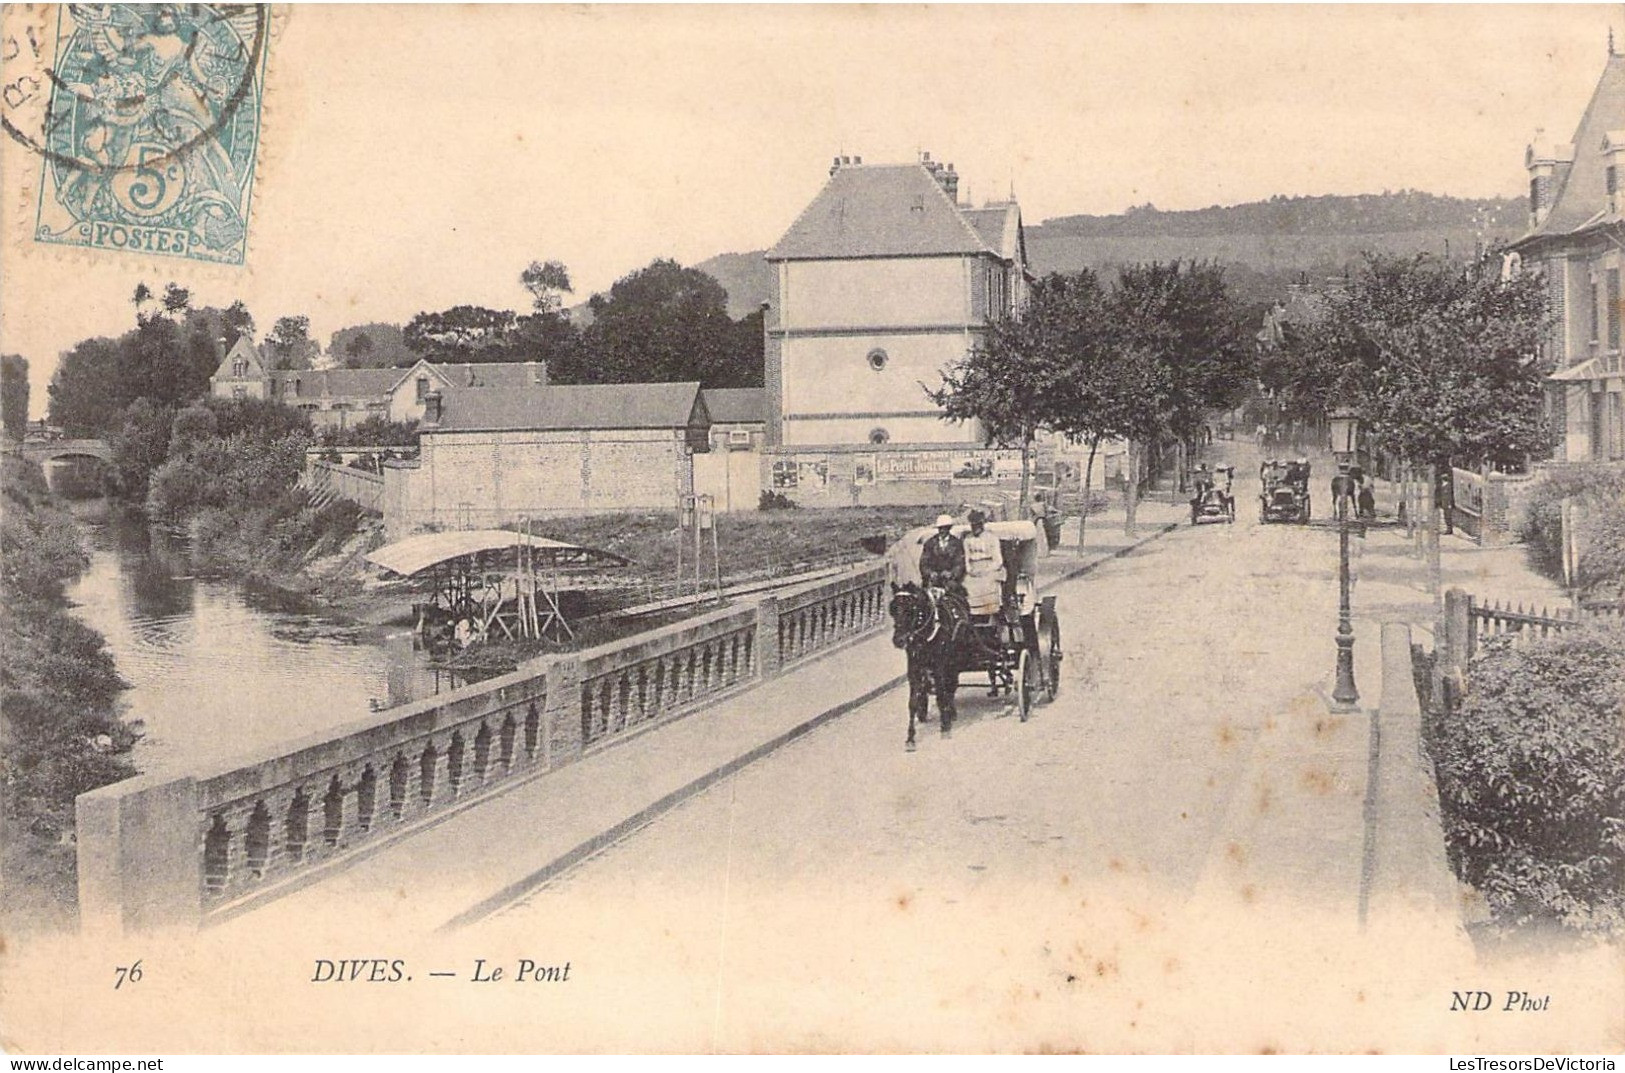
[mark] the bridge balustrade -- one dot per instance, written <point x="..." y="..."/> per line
<point x="184" y="849"/>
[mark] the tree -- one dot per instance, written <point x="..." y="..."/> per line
<point x="1013" y="379"/>
<point x="1441" y="362"/>
<point x="1106" y="388"/>
<point x="14" y="395"/>
<point x="86" y="394"/>
<point x="1183" y="318"/>
<point x="384" y="346"/>
<point x="177" y="300"/>
<point x="289" y="343"/>
<point x="667" y="323"/>
<point x="547" y="283"/>
<point x="461" y="334"/>
<point x="140" y="445"/>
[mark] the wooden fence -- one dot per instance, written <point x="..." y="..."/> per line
<point x="1467" y="623"/>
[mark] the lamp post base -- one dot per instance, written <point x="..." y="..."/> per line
<point x="1345" y="697"/>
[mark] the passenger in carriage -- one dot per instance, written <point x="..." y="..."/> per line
<point x="942" y="561"/>
<point x="984" y="567"/>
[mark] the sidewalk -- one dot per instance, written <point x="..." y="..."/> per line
<point x="474" y="861"/>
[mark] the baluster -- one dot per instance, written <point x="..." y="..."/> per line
<point x="399" y="773"/>
<point x="257" y="841"/>
<point x="586" y="713"/>
<point x="333" y="812"/>
<point x="296" y="827"/>
<point x="659" y="689"/>
<point x="454" y="764"/>
<point x="643" y="692"/>
<point x="623" y="698"/>
<point x="706" y="685"/>
<point x="510" y="731"/>
<point x="482" y="753"/>
<point x="606" y="710"/>
<point x="428" y="760"/>
<point x="217" y="855"/>
<point x="366" y="798"/>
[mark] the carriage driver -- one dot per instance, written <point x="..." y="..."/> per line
<point x="942" y="562"/>
<point x="984" y="567"/>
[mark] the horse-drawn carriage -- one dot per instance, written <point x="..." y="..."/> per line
<point x="1008" y="633"/>
<point x="1285" y="497"/>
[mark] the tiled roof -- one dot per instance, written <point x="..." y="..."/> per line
<point x="999" y="227"/>
<point x="490" y="374"/>
<point x="879" y="210"/>
<point x="336" y="383"/>
<point x="1582" y="197"/>
<point x="736" y="405"/>
<point x="573" y="406"/>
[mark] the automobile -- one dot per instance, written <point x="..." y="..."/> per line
<point x="1213" y="501"/>
<point x="1285" y="496"/>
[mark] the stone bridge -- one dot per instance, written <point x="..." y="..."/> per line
<point x="55" y="450"/>
<point x="191" y="848"/>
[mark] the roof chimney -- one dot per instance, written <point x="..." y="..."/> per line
<point x="1548" y="163"/>
<point x="834" y="167"/>
<point x="431" y="409"/>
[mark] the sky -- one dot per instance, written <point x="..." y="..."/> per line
<point x="418" y="157"/>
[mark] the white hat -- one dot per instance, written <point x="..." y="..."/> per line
<point x="944" y="520"/>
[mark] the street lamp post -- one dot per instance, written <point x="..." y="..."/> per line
<point x="1345" y="428"/>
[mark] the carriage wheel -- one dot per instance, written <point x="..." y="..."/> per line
<point x="1024" y="685"/>
<point x="1049" y="649"/>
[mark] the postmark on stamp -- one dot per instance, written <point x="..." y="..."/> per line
<point x="147" y="120"/>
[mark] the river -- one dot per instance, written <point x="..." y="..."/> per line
<point x="217" y="667"/>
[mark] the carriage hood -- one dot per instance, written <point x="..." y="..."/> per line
<point x="1021" y="542"/>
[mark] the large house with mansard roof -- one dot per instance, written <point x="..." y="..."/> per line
<point x="1577" y="241"/>
<point x="883" y="281"/>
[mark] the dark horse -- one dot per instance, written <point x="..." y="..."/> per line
<point x="927" y="624"/>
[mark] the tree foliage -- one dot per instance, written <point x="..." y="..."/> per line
<point x="1441" y="362"/>
<point x="289" y="345"/>
<point x="667" y="323"/>
<point x="167" y="359"/>
<point x="547" y="282"/>
<point x="14" y="395"/>
<point x="371" y="346"/>
<point x="1148" y="357"/>
<point x="58" y="686"/>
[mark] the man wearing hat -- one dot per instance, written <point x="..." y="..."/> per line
<point x="942" y="561"/>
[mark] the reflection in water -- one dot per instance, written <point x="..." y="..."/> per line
<point x="217" y="668"/>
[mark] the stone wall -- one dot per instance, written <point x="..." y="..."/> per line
<point x="489" y="479"/>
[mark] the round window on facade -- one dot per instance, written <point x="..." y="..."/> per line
<point x="878" y="436"/>
<point x="877" y="359"/>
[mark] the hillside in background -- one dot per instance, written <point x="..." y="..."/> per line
<point x="746" y="278"/>
<point x="1264" y="244"/>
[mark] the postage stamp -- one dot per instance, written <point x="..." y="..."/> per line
<point x="152" y="128"/>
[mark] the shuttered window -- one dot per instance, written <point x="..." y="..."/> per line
<point x="1613" y="309"/>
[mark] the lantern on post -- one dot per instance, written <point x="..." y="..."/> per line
<point x="1344" y="423"/>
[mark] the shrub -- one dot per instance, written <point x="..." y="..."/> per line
<point x="1531" y="771"/>
<point x="771" y="500"/>
<point x="1601" y="491"/>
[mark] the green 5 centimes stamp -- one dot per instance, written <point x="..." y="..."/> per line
<point x="152" y="128"/>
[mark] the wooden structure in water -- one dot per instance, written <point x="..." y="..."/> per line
<point x="491" y="583"/>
